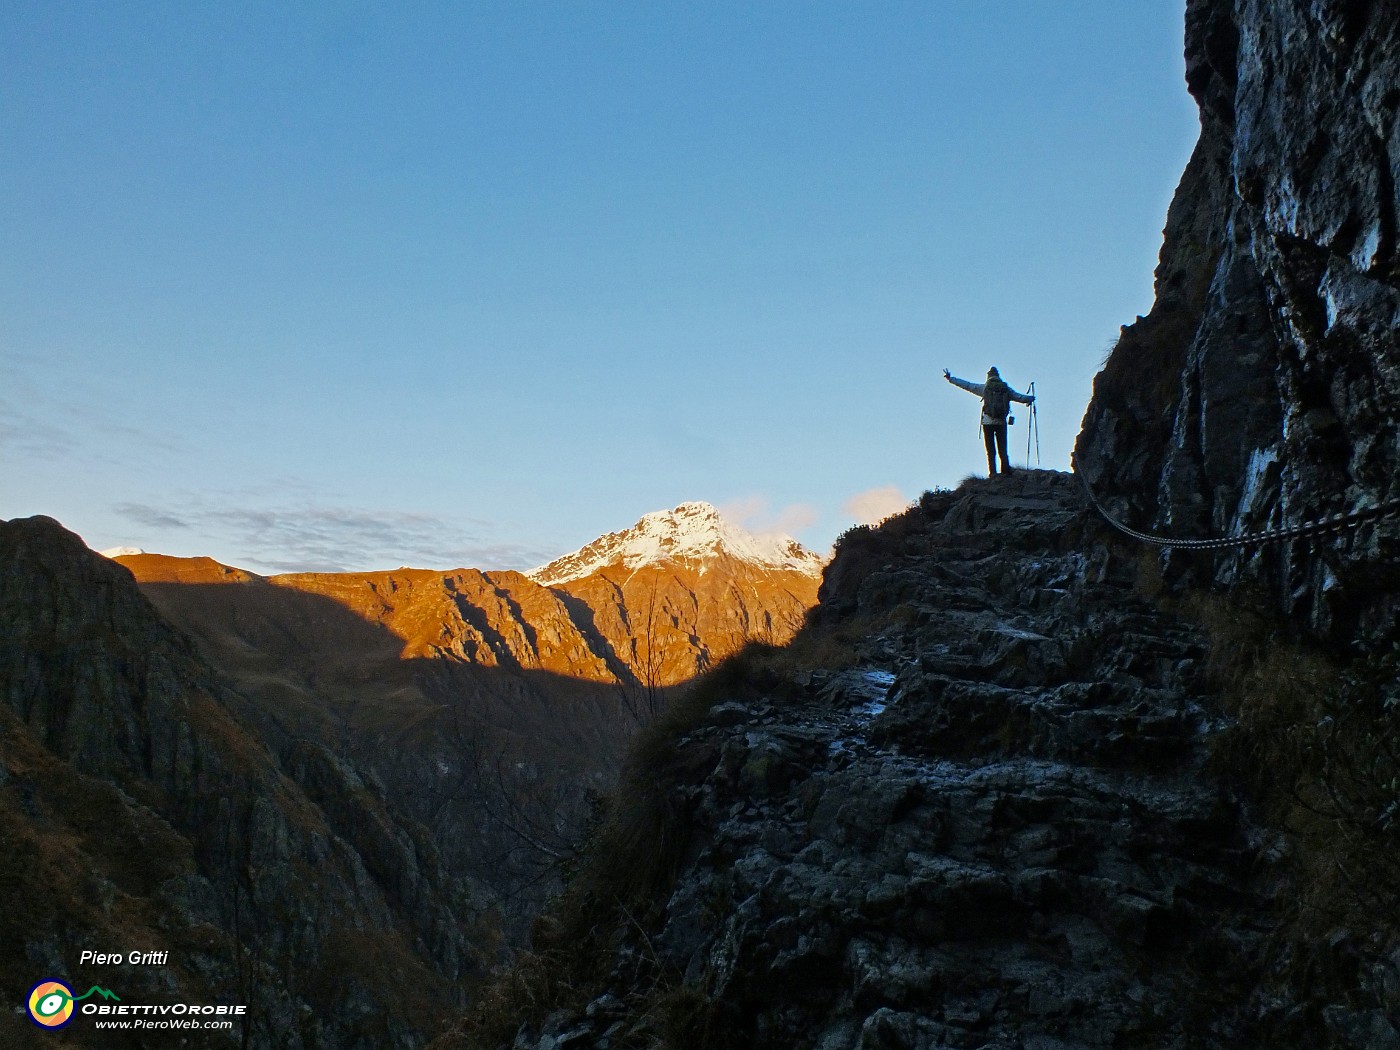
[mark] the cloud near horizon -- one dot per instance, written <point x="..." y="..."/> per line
<point x="340" y="539"/>
<point x="875" y="505"/>
<point x="755" y="514"/>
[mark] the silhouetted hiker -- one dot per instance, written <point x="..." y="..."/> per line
<point x="996" y="405"/>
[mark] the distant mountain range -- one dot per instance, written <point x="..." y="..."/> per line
<point x="654" y="604"/>
<point x="492" y="704"/>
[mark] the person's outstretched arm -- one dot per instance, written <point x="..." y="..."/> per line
<point x="1025" y="399"/>
<point x="972" y="388"/>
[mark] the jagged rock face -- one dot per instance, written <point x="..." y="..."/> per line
<point x="997" y="829"/>
<point x="142" y="808"/>
<point x="1264" y="387"/>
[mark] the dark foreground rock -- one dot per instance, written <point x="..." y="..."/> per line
<point x="141" y="810"/>
<point x="998" y="828"/>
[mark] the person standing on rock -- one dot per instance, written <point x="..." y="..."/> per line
<point x="996" y="406"/>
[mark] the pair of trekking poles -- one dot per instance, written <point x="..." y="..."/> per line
<point x="1032" y="429"/>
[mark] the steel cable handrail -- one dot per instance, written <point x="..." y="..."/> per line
<point x="1317" y="527"/>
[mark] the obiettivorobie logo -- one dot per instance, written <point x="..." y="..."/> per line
<point x="51" y="1002"/>
<point x="52" y="1005"/>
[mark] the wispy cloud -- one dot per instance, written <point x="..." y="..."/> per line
<point x="745" y="510"/>
<point x="875" y="505"/>
<point x="794" y="518"/>
<point x="756" y="514"/>
<point x="22" y="435"/>
<point x="337" y="539"/>
<point x="47" y="416"/>
<point x="151" y="517"/>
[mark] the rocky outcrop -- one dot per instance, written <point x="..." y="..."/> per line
<point x="998" y="826"/>
<point x="143" y="809"/>
<point x="1263" y="388"/>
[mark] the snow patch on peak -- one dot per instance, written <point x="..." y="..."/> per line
<point x="693" y="532"/>
<point x="121" y="552"/>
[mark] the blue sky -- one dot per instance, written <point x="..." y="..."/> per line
<point x="353" y="285"/>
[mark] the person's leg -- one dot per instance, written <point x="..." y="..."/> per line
<point x="989" y="439"/>
<point x="1001" y="448"/>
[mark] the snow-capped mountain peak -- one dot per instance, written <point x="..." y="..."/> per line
<point x="691" y="533"/>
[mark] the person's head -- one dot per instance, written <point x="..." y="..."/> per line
<point x="992" y="373"/>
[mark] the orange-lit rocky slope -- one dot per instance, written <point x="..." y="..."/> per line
<point x="652" y="605"/>
<point x="492" y="705"/>
<point x="684" y="588"/>
<point x="488" y="619"/>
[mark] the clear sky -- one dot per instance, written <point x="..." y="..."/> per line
<point x="354" y="285"/>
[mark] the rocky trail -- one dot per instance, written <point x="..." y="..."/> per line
<point x="998" y="829"/>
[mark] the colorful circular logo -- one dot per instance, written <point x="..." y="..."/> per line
<point x="51" y="1004"/>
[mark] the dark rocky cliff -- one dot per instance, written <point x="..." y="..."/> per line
<point x="1263" y="389"/>
<point x="978" y="803"/>
<point x="141" y="809"/>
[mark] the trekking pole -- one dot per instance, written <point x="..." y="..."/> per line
<point x="1035" y="425"/>
<point x="1030" y="425"/>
